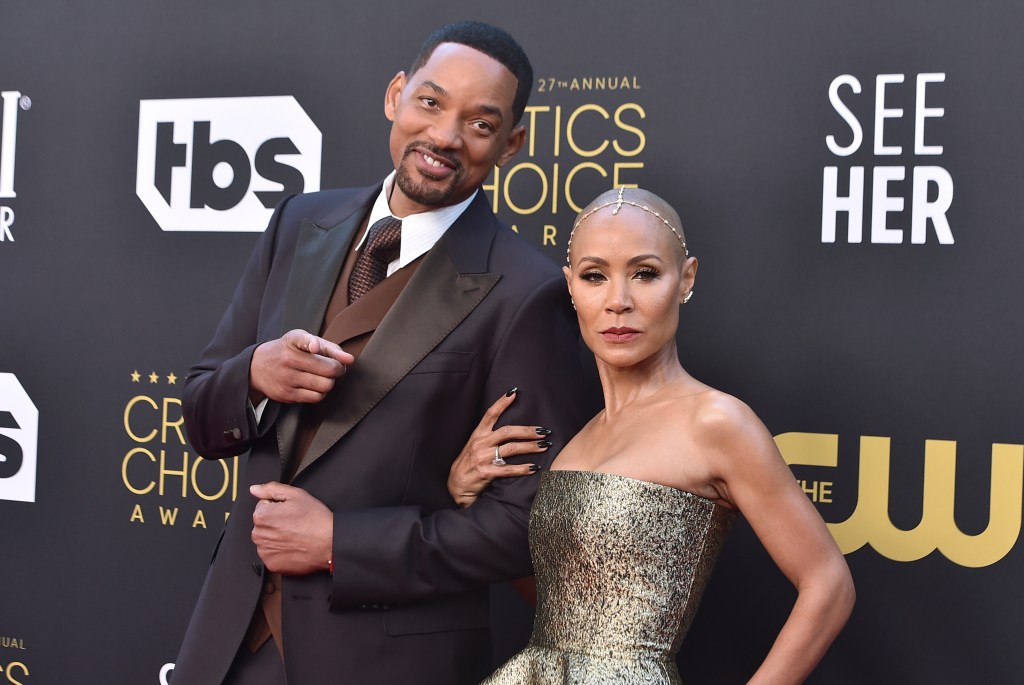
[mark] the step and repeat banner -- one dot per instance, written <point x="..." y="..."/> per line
<point x="848" y="175"/>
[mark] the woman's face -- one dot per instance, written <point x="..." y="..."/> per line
<point x="627" y="278"/>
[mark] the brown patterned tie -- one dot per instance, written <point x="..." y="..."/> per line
<point x="382" y="247"/>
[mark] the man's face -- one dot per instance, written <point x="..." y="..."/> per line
<point x="451" y="124"/>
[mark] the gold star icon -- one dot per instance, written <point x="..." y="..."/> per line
<point x="153" y="378"/>
<point x="171" y="379"/>
<point x="136" y="376"/>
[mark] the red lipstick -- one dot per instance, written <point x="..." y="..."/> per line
<point x="619" y="334"/>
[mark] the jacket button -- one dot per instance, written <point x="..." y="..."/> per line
<point x="234" y="434"/>
<point x="257" y="568"/>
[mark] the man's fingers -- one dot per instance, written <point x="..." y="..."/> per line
<point x="299" y="339"/>
<point x="273" y="491"/>
<point x="334" y="351"/>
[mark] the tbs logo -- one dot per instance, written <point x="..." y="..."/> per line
<point x="222" y="164"/>
<point x="19" y="436"/>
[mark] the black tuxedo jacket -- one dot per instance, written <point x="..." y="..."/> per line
<point x="408" y="600"/>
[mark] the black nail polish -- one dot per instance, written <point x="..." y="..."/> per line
<point x="544" y="443"/>
<point x="543" y="431"/>
<point x="511" y="392"/>
<point x="534" y="467"/>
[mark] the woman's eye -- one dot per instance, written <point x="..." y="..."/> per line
<point x="592" y="276"/>
<point x="646" y="274"/>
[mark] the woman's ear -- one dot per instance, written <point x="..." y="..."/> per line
<point x="689" y="276"/>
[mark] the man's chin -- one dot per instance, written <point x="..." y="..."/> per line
<point x="424" y="194"/>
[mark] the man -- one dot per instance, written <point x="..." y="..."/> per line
<point x="350" y="561"/>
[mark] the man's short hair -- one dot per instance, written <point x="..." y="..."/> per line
<point x="494" y="43"/>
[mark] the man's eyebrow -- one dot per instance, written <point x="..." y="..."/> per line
<point x="492" y="110"/>
<point x="434" y="87"/>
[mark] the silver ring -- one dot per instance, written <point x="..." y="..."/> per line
<point x="497" y="461"/>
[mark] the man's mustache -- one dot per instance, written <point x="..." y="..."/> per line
<point x="434" y="152"/>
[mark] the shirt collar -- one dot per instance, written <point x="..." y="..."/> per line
<point x="419" y="231"/>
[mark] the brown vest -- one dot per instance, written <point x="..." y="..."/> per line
<point x="349" y="325"/>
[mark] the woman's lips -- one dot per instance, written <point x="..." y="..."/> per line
<point x="619" y="335"/>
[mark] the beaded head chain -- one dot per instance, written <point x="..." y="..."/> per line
<point x="618" y="202"/>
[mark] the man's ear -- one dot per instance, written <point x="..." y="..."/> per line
<point x="392" y="94"/>
<point x="516" y="138"/>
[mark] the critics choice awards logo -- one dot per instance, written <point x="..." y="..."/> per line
<point x="170" y="484"/>
<point x="19" y="436"/>
<point x="222" y="164"/>
<point x="584" y="135"/>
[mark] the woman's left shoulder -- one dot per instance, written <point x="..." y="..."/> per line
<point x="727" y="423"/>
<point x="715" y="410"/>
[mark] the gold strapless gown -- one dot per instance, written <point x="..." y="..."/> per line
<point x="621" y="566"/>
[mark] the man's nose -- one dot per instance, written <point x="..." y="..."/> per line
<point x="445" y="132"/>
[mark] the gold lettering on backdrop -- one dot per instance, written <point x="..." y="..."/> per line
<point x="168" y="515"/>
<point x="15" y="669"/>
<point x="603" y="143"/>
<point x="127" y="422"/>
<point x="584" y="83"/>
<point x="8" y="642"/>
<point x="157" y="463"/>
<point x="870" y="523"/>
<point x="550" y="233"/>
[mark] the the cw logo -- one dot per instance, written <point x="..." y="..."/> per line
<point x="870" y="524"/>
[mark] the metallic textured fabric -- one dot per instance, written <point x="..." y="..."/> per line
<point x="621" y="565"/>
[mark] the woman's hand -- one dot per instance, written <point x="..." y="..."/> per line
<point x="484" y="457"/>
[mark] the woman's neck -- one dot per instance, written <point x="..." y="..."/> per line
<point x="625" y="387"/>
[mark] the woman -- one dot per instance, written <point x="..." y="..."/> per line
<point x="628" y="522"/>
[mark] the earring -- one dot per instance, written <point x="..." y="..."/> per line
<point x="573" y="302"/>
<point x="688" y="296"/>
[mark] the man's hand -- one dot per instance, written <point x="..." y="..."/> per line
<point x="293" y="531"/>
<point x="297" y="367"/>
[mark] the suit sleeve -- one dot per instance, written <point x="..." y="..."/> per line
<point x="403" y="554"/>
<point x="219" y="418"/>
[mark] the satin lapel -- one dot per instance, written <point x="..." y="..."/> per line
<point x="435" y="301"/>
<point x="319" y="255"/>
